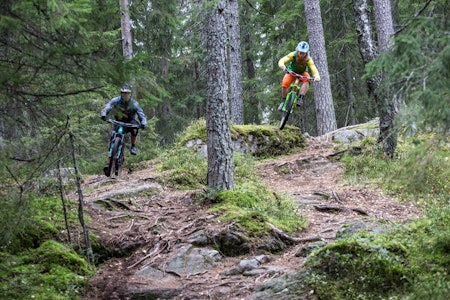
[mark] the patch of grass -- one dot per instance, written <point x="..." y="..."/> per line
<point x="421" y="170"/>
<point x="423" y="173"/>
<point x="358" y="266"/>
<point x="252" y="206"/>
<point x="29" y="220"/>
<point x="183" y="168"/>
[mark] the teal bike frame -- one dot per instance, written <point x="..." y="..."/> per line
<point x="116" y="147"/>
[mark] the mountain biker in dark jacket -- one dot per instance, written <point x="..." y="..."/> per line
<point x="125" y="109"/>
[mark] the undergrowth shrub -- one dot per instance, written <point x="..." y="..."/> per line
<point x="51" y="271"/>
<point x="28" y="220"/>
<point x="421" y="172"/>
<point x="410" y="261"/>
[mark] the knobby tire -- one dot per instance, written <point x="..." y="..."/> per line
<point x="287" y="112"/>
<point x="120" y="164"/>
<point x="113" y="163"/>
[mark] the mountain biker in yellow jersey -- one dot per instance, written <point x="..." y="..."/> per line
<point x="300" y="62"/>
<point x="125" y="109"/>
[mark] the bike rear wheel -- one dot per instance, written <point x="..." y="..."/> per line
<point x="113" y="161"/>
<point x="287" y="112"/>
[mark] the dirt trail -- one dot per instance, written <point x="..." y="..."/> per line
<point x="149" y="225"/>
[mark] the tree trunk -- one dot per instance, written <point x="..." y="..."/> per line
<point x="368" y="53"/>
<point x="127" y="44"/>
<point x="350" y="115"/>
<point x="384" y="24"/>
<point x="385" y="30"/>
<point x="326" y="119"/>
<point x="252" y="103"/>
<point x="234" y="36"/>
<point x="220" y="153"/>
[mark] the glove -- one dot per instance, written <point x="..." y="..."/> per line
<point x="103" y="118"/>
<point x="142" y="126"/>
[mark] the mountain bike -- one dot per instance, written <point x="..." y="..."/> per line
<point x="292" y="97"/>
<point x="116" y="147"/>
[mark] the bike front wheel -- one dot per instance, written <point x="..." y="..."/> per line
<point x="119" y="166"/>
<point x="287" y="112"/>
<point x="113" y="161"/>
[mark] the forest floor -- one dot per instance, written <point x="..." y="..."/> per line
<point x="131" y="210"/>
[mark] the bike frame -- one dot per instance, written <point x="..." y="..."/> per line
<point x="292" y="97"/>
<point x="116" y="145"/>
<point x="294" y="89"/>
<point x="118" y="133"/>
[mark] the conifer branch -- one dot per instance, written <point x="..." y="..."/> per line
<point x="415" y="16"/>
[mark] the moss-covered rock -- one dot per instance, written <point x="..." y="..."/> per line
<point x="258" y="140"/>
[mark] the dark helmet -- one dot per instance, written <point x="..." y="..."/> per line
<point x="302" y="47"/>
<point x="125" y="89"/>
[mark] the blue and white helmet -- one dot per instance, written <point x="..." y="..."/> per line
<point x="303" y="47"/>
<point x="125" y="88"/>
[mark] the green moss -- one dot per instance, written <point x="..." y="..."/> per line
<point x="52" y="271"/>
<point x="183" y="168"/>
<point x="271" y="141"/>
<point x="253" y="209"/>
<point x="196" y="130"/>
<point x="412" y="260"/>
<point x="51" y="253"/>
<point x="186" y="168"/>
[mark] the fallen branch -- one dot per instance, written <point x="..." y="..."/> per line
<point x="360" y="211"/>
<point x="119" y="204"/>
<point x="155" y="251"/>
<point x="322" y="194"/>
<point x="281" y="234"/>
<point x="327" y="208"/>
<point x="353" y="150"/>
<point x="336" y="197"/>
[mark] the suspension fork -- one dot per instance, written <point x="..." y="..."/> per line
<point x="294" y="88"/>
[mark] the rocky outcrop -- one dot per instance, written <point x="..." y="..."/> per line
<point x="272" y="142"/>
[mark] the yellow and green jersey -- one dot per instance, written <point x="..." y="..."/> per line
<point x="310" y="67"/>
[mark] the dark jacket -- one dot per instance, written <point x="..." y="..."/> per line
<point x="125" y="112"/>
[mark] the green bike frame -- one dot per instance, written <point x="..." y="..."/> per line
<point x="291" y="98"/>
<point x="294" y="91"/>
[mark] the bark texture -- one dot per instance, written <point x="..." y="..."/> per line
<point x="384" y="24"/>
<point x="369" y="52"/>
<point x="234" y="36"/>
<point x="220" y="153"/>
<point x="326" y="118"/>
<point x="127" y="42"/>
<point x="385" y="30"/>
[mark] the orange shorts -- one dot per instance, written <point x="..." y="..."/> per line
<point x="288" y="79"/>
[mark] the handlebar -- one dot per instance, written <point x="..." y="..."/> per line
<point x="115" y="122"/>
<point x="299" y="75"/>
